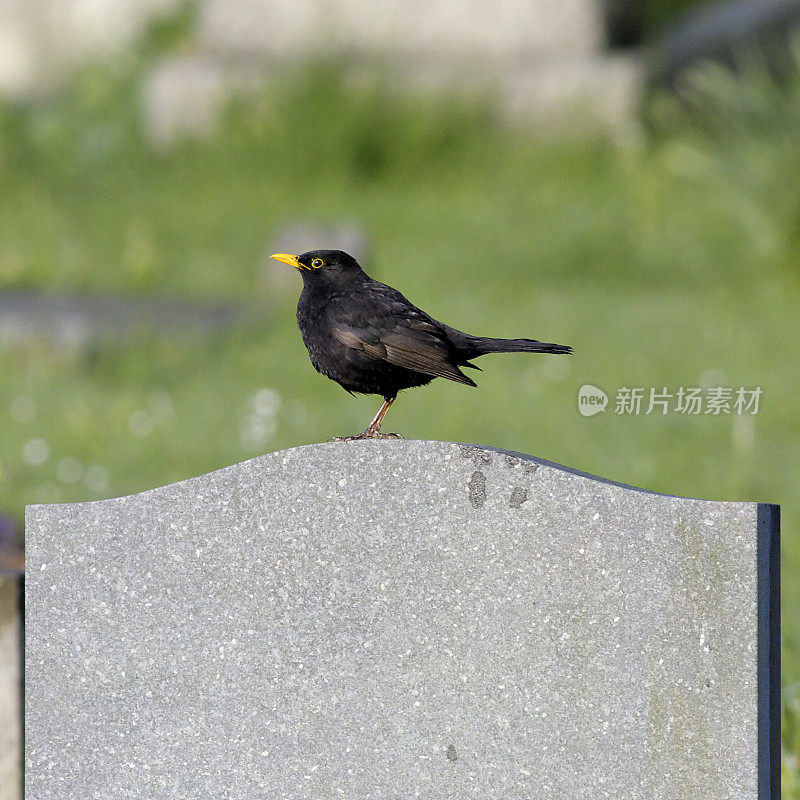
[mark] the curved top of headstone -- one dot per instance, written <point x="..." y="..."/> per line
<point x="414" y="456"/>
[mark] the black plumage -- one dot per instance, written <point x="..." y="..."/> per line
<point x="370" y="339"/>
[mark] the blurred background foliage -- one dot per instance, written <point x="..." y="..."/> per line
<point x="667" y="254"/>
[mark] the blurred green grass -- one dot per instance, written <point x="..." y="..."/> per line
<point x="666" y="260"/>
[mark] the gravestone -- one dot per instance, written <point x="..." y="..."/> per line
<point x="10" y="686"/>
<point x="12" y="571"/>
<point x="397" y="619"/>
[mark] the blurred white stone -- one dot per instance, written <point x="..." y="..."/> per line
<point x="543" y="56"/>
<point x="41" y="41"/>
<point x="466" y="30"/>
<point x="17" y="61"/>
<point x="99" y="26"/>
<point x="183" y="97"/>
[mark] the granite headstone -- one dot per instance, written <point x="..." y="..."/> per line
<point x="398" y="619"/>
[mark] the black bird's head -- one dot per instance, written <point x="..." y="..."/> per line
<point x="323" y="266"/>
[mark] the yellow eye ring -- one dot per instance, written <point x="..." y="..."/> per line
<point x="317" y="263"/>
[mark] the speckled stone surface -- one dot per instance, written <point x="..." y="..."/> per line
<point x="391" y="619"/>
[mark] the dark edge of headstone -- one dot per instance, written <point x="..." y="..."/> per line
<point x="769" y="652"/>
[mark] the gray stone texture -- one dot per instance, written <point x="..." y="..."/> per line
<point x="392" y="619"/>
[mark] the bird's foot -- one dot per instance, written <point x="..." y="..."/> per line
<point x="367" y="434"/>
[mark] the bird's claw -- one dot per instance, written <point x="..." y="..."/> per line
<point x="366" y="435"/>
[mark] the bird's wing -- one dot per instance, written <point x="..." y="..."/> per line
<point x="411" y="342"/>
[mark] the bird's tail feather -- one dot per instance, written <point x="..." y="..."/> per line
<point x="481" y="346"/>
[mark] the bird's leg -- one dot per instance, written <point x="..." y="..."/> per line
<point x="373" y="430"/>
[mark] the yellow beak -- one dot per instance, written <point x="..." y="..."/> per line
<point x="288" y="259"/>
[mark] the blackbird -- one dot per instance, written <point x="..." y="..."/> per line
<point x="369" y="339"/>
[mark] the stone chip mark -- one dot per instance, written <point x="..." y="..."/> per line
<point x="479" y="456"/>
<point x="528" y="467"/>
<point x="482" y="458"/>
<point x="477" y="489"/>
<point x="518" y="496"/>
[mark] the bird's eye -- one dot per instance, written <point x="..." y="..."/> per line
<point x="316" y="263"/>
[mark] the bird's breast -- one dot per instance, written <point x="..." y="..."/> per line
<point x="314" y="317"/>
